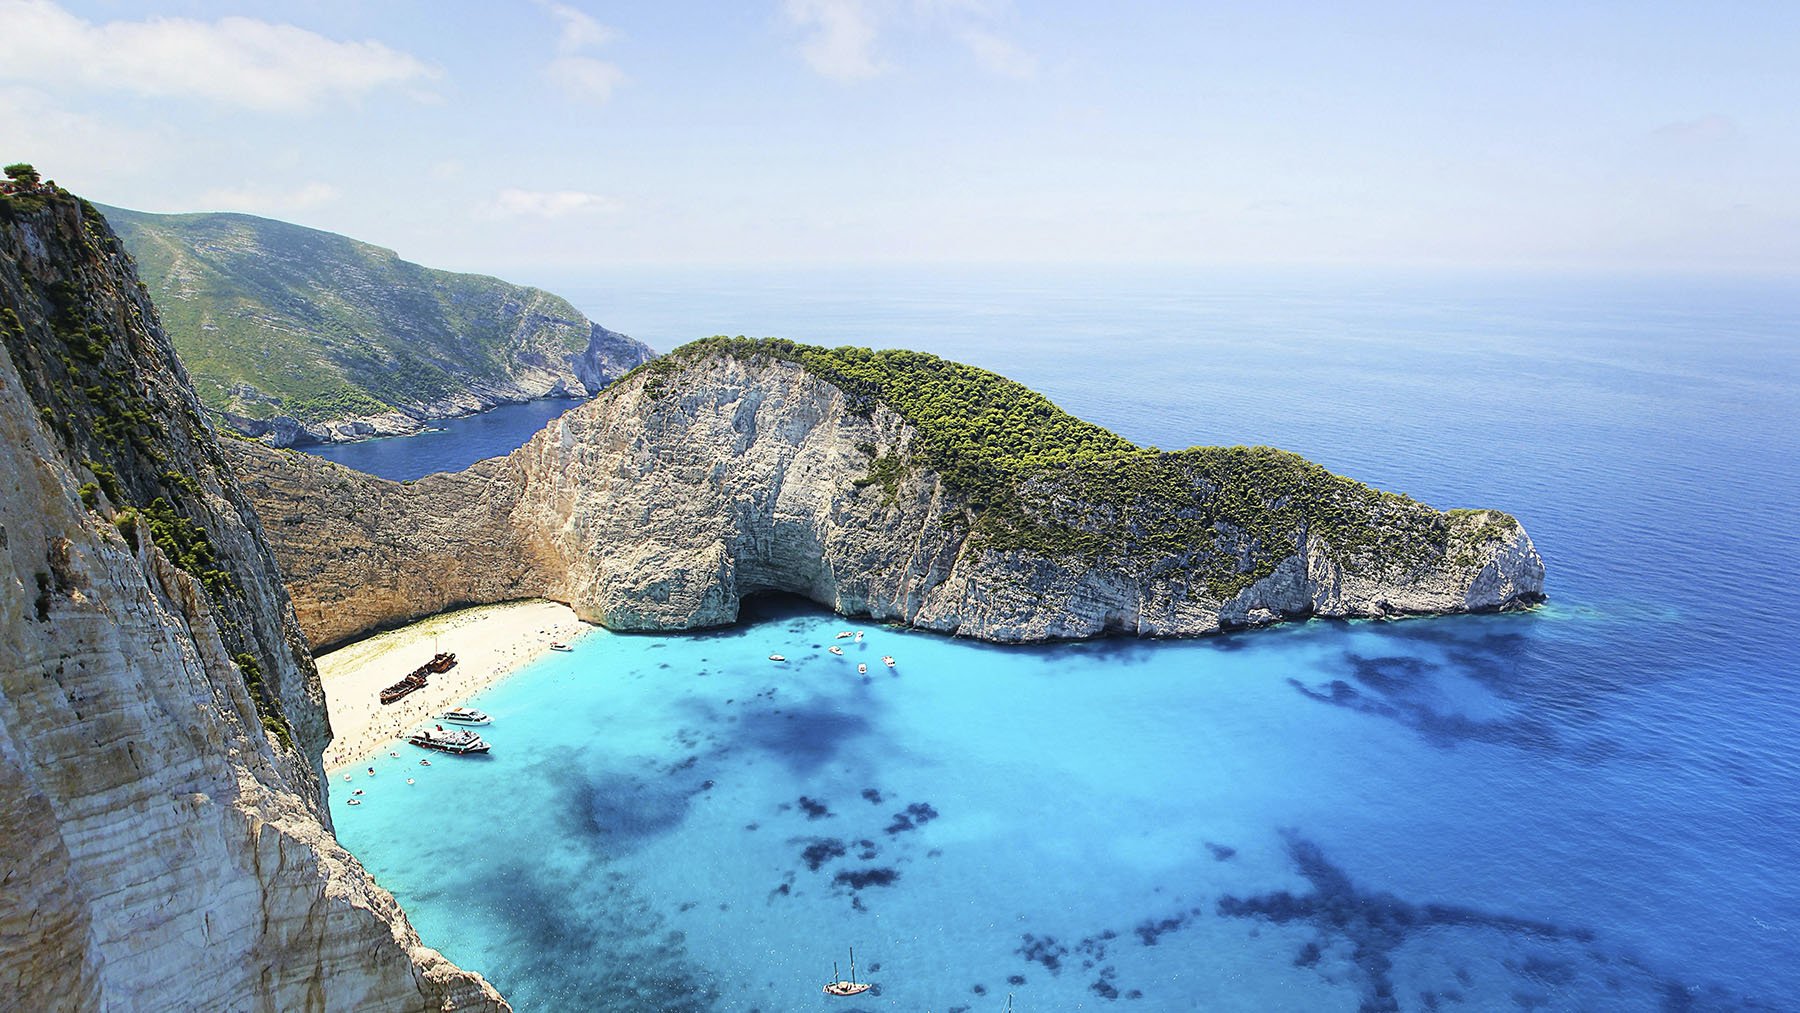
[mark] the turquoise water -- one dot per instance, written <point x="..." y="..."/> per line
<point x="1595" y="805"/>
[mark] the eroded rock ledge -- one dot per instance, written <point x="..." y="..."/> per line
<point x="889" y="485"/>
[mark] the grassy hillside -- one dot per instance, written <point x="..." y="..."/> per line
<point x="1037" y="478"/>
<point x="275" y="319"/>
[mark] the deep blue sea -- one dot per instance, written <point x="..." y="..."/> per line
<point x="451" y="445"/>
<point x="1591" y="806"/>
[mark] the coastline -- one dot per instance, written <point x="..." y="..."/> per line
<point x="490" y="642"/>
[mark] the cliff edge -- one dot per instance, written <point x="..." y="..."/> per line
<point x="893" y="485"/>
<point x="162" y="825"/>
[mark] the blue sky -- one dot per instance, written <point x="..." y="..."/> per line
<point x="520" y="136"/>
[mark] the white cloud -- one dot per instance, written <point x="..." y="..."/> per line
<point x="79" y="146"/>
<point x="841" y="39"/>
<point x="550" y="204"/>
<point x="584" y="77"/>
<point x="264" y="201"/>
<point x="998" y="55"/>
<point x="1709" y="129"/>
<point x="233" y="61"/>
<point x="579" y="31"/>
<point x="577" y="74"/>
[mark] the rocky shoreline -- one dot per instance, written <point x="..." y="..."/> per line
<point x="580" y="378"/>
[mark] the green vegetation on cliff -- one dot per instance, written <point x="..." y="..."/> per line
<point x="112" y="397"/>
<point x="1036" y="478"/>
<point x="275" y="319"/>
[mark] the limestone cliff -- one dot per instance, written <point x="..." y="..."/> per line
<point x="162" y="827"/>
<point x="889" y="485"/>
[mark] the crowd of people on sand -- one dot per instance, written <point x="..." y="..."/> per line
<point x="371" y="724"/>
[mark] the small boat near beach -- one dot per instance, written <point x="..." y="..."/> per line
<point x="888" y="660"/>
<point x="557" y="645"/>
<point x="842" y="635"/>
<point x="777" y="657"/>
<point x="839" y="986"/>
<point x="862" y="669"/>
<point x="449" y="740"/>
<point x="464" y="716"/>
<point x="839" y="651"/>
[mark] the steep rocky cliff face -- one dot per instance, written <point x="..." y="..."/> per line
<point x="732" y="468"/>
<point x="301" y="336"/>
<point x="162" y="827"/>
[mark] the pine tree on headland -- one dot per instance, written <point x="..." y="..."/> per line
<point x="23" y="176"/>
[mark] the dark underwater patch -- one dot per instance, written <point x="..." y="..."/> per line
<point x="1149" y="930"/>
<point x="1043" y="950"/>
<point x="1434" y="726"/>
<point x="913" y="817"/>
<point x="813" y="808"/>
<point x="820" y="851"/>
<point x="805" y="737"/>
<point x="857" y="879"/>
<point x="612" y="943"/>
<point x="617" y="812"/>
<point x="1374" y="923"/>
<point x="1389" y="674"/>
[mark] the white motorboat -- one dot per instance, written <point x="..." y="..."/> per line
<point x="449" y="740"/>
<point x="465" y="716"/>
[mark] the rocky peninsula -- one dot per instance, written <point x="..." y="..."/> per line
<point x="163" y="831"/>
<point x="892" y="485"/>
<point x="297" y="336"/>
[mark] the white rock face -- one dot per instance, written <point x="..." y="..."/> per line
<point x="161" y="849"/>
<point x="662" y="509"/>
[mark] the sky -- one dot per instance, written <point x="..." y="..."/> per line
<point x="510" y="136"/>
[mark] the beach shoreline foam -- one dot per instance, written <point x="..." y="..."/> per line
<point x="490" y="643"/>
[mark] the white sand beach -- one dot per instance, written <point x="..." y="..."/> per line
<point x="490" y="642"/>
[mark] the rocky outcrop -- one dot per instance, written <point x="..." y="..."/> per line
<point x="714" y="475"/>
<point x="162" y="825"/>
<point x="362" y="553"/>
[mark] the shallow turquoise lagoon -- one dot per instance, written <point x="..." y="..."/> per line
<point x="1322" y="817"/>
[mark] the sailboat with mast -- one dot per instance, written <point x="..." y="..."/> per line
<point x="838" y="986"/>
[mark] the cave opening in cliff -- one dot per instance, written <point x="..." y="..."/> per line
<point x="775" y="606"/>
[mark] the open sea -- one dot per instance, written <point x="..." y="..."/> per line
<point x="1594" y="805"/>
